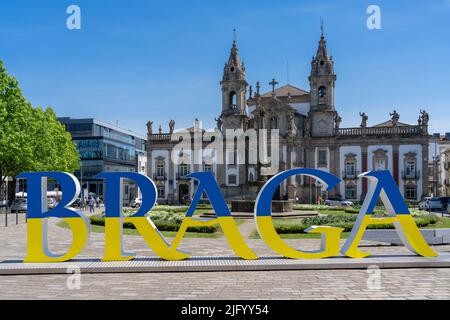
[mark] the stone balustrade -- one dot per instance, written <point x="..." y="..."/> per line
<point x="380" y="131"/>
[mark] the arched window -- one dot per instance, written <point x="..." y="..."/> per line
<point x="233" y="100"/>
<point x="322" y="92"/>
<point x="273" y="123"/>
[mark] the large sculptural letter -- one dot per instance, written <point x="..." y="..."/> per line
<point x="114" y="218"/>
<point x="38" y="214"/>
<point x="382" y="185"/>
<point x="263" y="218"/>
<point x="209" y="185"/>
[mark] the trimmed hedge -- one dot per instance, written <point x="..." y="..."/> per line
<point x="339" y="221"/>
<point x="162" y="225"/>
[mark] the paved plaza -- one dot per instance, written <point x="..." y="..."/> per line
<point x="426" y="283"/>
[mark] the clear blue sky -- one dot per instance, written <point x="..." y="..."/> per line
<point x="137" y="60"/>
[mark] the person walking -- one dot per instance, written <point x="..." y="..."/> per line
<point x="91" y="204"/>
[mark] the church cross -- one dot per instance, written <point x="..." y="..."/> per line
<point x="273" y="83"/>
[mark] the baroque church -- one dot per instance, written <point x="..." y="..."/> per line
<point x="310" y="136"/>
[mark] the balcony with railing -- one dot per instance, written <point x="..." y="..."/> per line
<point x="380" y="131"/>
<point x="159" y="176"/>
<point x="183" y="176"/>
<point x="160" y="138"/>
<point x="350" y="175"/>
<point x="411" y="175"/>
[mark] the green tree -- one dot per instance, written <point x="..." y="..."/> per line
<point x="31" y="139"/>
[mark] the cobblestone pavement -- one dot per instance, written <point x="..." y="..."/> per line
<point x="311" y="284"/>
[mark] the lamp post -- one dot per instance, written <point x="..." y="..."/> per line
<point x="81" y="179"/>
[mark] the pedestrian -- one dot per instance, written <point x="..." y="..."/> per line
<point x="97" y="202"/>
<point x="91" y="204"/>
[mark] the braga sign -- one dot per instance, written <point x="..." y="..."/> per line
<point x="381" y="185"/>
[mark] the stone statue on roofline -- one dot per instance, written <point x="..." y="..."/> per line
<point x="150" y="127"/>
<point x="307" y="127"/>
<point x="337" y="122"/>
<point x="364" y="119"/>
<point x="219" y="123"/>
<point x="425" y="117"/>
<point x="395" y="118"/>
<point x="171" y="126"/>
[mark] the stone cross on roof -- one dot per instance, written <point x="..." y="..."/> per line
<point x="273" y="83"/>
<point x="321" y="26"/>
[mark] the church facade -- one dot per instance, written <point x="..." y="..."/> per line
<point x="310" y="135"/>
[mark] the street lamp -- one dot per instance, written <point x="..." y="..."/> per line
<point x="81" y="178"/>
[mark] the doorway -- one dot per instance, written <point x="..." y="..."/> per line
<point x="183" y="194"/>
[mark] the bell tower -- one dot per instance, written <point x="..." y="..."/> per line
<point x="322" y="82"/>
<point x="234" y="90"/>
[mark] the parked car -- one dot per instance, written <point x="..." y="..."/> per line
<point x="19" y="205"/>
<point x="336" y="202"/>
<point x="333" y="202"/>
<point x="51" y="203"/>
<point x="136" y="203"/>
<point x="347" y="203"/>
<point x="438" y="203"/>
<point x="425" y="204"/>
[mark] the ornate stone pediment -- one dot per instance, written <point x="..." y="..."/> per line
<point x="410" y="155"/>
<point x="380" y="159"/>
<point x="380" y="153"/>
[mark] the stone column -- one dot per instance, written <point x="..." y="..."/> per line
<point x="396" y="164"/>
<point x="364" y="168"/>
<point x="425" y="170"/>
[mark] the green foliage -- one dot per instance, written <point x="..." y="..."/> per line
<point x="164" y="221"/>
<point x="341" y="221"/>
<point x="31" y="139"/>
<point x="170" y="208"/>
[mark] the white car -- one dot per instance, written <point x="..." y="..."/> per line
<point x="136" y="203"/>
<point x="347" y="203"/>
<point x="19" y="205"/>
<point x="333" y="202"/>
<point x="425" y="204"/>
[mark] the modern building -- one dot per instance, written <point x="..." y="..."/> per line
<point x="439" y="165"/>
<point x="104" y="147"/>
<point x="310" y="136"/>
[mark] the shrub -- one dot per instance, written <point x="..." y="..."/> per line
<point x="340" y="221"/>
<point x="170" y="208"/>
<point x="172" y="223"/>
